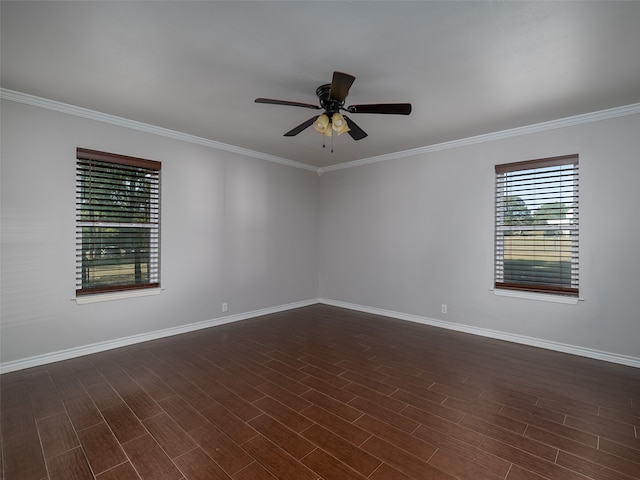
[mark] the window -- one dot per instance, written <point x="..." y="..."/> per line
<point x="536" y="243"/>
<point x="117" y="223"/>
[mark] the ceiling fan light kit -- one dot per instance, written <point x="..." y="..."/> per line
<point x="325" y="125"/>
<point x="331" y="97"/>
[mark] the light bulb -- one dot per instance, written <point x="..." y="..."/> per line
<point x="339" y="124"/>
<point x="321" y="123"/>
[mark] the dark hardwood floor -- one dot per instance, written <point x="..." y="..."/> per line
<point x="322" y="393"/>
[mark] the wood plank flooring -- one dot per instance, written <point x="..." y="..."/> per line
<point x="322" y="393"/>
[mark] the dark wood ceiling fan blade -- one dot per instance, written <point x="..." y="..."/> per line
<point x="340" y="86"/>
<point x="274" y="101"/>
<point x="354" y="130"/>
<point x="384" y="108"/>
<point x="295" y="131"/>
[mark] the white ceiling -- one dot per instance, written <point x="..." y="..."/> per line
<point x="468" y="68"/>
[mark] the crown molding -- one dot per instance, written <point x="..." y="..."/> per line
<point x="143" y="127"/>
<point x="607" y="114"/>
<point x="633" y="109"/>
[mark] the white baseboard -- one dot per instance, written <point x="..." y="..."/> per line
<point x="143" y="337"/>
<point x="484" y="332"/>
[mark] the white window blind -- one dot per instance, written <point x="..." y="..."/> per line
<point x="117" y="222"/>
<point x="536" y="226"/>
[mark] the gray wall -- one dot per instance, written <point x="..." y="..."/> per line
<point x="408" y="235"/>
<point x="402" y="236"/>
<point x="234" y="229"/>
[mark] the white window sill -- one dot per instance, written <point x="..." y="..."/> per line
<point x="543" y="297"/>
<point x="106" y="297"/>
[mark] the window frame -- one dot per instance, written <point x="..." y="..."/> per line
<point x="85" y="158"/>
<point x="570" y="225"/>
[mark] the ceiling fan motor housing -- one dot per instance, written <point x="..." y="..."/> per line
<point x="329" y="105"/>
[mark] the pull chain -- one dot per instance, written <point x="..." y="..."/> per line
<point x="324" y="138"/>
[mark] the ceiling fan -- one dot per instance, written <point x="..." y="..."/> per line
<point x="332" y="97"/>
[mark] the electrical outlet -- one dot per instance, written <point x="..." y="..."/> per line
<point x="444" y="308"/>
<point x="224" y="307"/>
